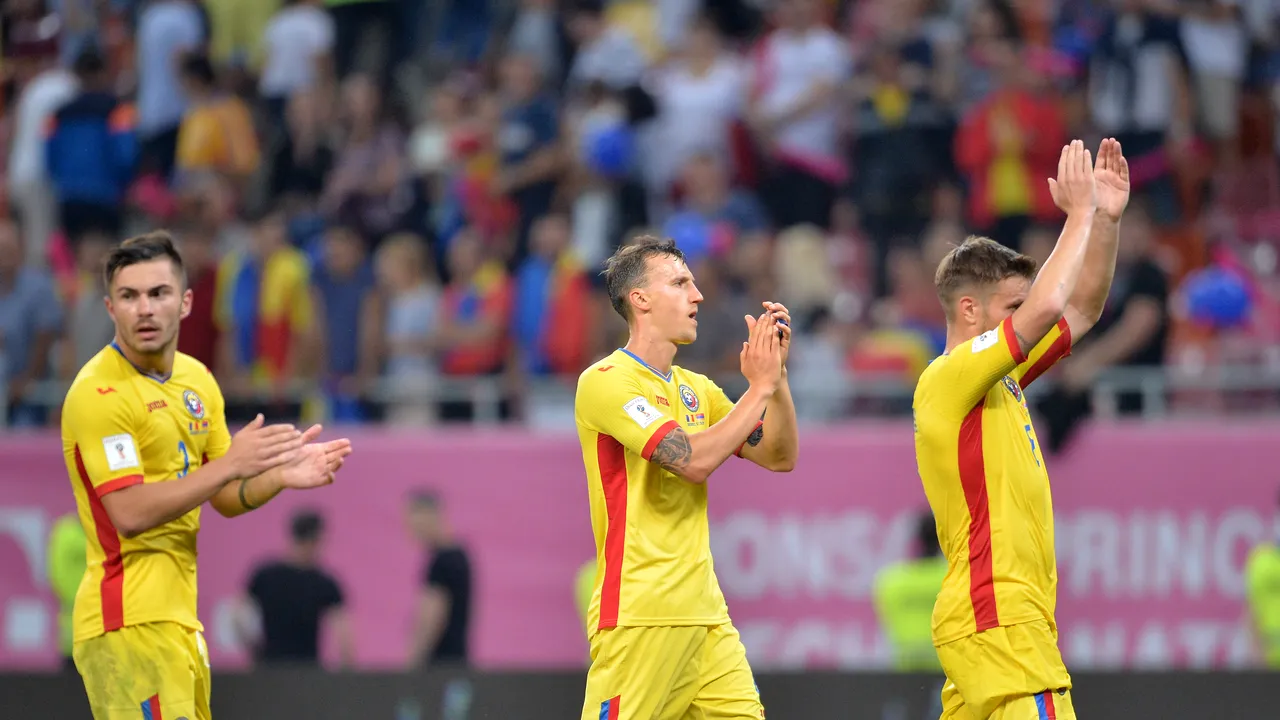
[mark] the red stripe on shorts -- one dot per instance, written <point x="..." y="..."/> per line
<point x="611" y="458"/>
<point x="112" y="586"/>
<point x="973" y="478"/>
<point x="1050" y="713"/>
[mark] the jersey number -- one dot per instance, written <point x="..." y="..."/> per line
<point x="186" y="459"/>
<point x="1031" y="439"/>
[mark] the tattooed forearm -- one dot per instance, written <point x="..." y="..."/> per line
<point x="1023" y="342"/>
<point x="673" y="452"/>
<point x="756" y="435"/>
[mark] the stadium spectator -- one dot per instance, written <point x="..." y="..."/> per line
<point x="265" y="316"/>
<point x="700" y="95"/>
<point x="358" y="26"/>
<point x="30" y="321"/>
<point x="369" y="173"/>
<point x="349" y="314"/>
<point x="167" y="30"/>
<point x="730" y="215"/>
<point x="293" y="598"/>
<point x="527" y="141"/>
<point x="1139" y="92"/>
<point x="411" y="332"/>
<point x="91" y="186"/>
<point x="216" y="137"/>
<point x="84" y="332"/>
<point x="236" y="31"/>
<point x="442" y="626"/>
<point x="1133" y="332"/>
<point x="904" y="594"/>
<point x="475" y="320"/>
<point x="199" y="336"/>
<point x="551" y="310"/>
<point x="606" y="54"/>
<point x="30" y="193"/>
<point x="794" y="112"/>
<point x="1006" y="146"/>
<point x="304" y="154"/>
<point x="895" y="152"/>
<point x="298" y="53"/>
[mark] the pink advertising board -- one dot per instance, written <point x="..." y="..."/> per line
<point x="1154" y="524"/>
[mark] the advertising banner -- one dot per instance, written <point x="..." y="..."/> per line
<point x="1154" y="524"/>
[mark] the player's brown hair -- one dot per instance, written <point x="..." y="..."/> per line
<point x="154" y="245"/>
<point x="977" y="264"/>
<point x="625" y="270"/>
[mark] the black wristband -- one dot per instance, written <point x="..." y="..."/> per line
<point x="244" y="502"/>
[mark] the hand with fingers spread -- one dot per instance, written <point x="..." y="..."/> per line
<point x="1075" y="189"/>
<point x="1111" y="175"/>
<point x="761" y="356"/>
<point x="783" y="318"/>
<point x="258" y="447"/>
<point x="316" y="463"/>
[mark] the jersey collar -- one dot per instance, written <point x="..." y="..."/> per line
<point x="162" y="379"/>
<point x="666" y="377"/>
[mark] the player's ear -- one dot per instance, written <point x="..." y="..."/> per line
<point x="187" y="297"/>
<point x="968" y="309"/>
<point x="639" y="299"/>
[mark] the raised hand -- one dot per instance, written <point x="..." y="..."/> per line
<point x="761" y="356"/>
<point x="305" y="471"/>
<point x="258" y="447"/>
<point x="1111" y="175"/>
<point x="783" y="318"/>
<point x="1075" y="190"/>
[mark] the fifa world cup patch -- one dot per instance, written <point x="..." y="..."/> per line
<point x="642" y="411"/>
<point x="984" y="341"/>
<point x="121" y="452"/>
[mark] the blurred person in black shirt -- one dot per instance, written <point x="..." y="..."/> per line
<point x="1132" y="333"/>
<point x="443" y="617"/>
<point x="293" y="596"/>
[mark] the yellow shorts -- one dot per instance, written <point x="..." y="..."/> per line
<point x="154" y="671"/>
<point x="670" y="673"/>
<point x="1006" y="673"/>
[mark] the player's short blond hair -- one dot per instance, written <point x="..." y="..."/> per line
<point x="976" y="265"/>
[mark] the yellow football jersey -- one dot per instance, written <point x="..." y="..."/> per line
<point x="985" y="478"/>
<point x="653" y="546"/>
<point x="121" y="427"/>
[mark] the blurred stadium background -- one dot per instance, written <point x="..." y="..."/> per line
<point x="394" y="212"/>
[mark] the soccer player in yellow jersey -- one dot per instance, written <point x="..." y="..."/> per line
<point x="982" y="469"/>
<point x="146" y="445"/>
<point x="662" y="646"/>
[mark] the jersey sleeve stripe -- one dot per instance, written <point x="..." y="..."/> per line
<point x="111" y="589"/>
<point x="611" y="458"/>
<point x="1060" y="348"/>
<point x="1011" y="339"/>
<point x="973" y="478"/>
<point x="656" y="438"/>
<point x="107" y="488"/>
<point x="738" y="452"/>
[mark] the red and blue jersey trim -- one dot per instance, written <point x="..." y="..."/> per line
<point x="151" y="708"/>
<point x="609" y="709"/>
<point x="1044" y="705"/>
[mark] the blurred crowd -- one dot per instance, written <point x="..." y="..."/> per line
<point x="381" y="200"/>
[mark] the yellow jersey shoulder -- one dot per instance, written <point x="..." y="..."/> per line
<point x="104" y="374"/>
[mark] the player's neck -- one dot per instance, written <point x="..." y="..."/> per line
<point x="159" y="365"/>
<point x="957" y="335"/>
<point x="657" y="354"/>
